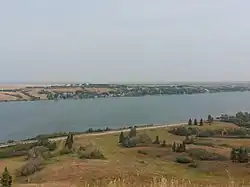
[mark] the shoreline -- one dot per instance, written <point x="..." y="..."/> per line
<point x="112" y="131"/>
<point x="56" y="100"/>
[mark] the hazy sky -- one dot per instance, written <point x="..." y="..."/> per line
<point x="124" y="40"/>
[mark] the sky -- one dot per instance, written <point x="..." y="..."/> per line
<point x="124" y="41"/>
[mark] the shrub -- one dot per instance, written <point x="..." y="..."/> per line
<point x="143" y="139"/>
<point x="93" y="154"/>
<point x="36" y="152"/>
<point x="65" y="151"/>
<point x="16" y="150"/>
<point x="202" y="154"/>
<point x="205" y="133"/>
<point x="183" y="160"/>
<point x="134" y="141"/>
<point x="237" y="132"/>
<point x="129" y="142"/>
<point x="193" y="165"/>
<point x="30" y="167"/>
<point x="184" y="131"/>
<point x="188" y="140"/>
<point x="142" y="152"/>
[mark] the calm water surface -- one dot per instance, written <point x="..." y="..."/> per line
<point x="19" y="120"/>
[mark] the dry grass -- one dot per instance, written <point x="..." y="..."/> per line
<point x="126" y="167"/>
<point x="162" y="182"/>
<point x="65" y="89"/>
<point x="4" y="97"/>
<point x="99" y="90"/>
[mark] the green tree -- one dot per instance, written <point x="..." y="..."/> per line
<point x="121" y="138"/>
<point x="164" y="143"/>
<point x="132" y="132"/>
<point x="6" y="179"/>
<point x="245" y="156"/>
<point x="201" y="122"/>
<point x="174" y="147"/>
<point x="210" y="119"/>
<point x="233" y="155"/>
<point x="69" y="141"/>
<point x="241" y="155"/>
<point x="157" y="141"/>
<point x="190" y="122"/>
<point x="195" y="122"/>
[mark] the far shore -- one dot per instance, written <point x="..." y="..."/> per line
<point x="79" y="135"/>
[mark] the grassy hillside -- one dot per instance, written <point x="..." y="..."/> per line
<point x="145" y="164"/>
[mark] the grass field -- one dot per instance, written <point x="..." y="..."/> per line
<point x="127" y="167"/>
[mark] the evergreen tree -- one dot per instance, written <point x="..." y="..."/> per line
<point x="174" y="147"/>
<point x="132" y="132"/>
<point x="245" y="153"/>
<point x="241" y="155"/>
<point x="233" y="155"/>
<point x="157" y="141"/>
<point x="183" y="146"/>
<point x="195" y="122"/>
<point x="121" y="138"/>
<point x="164" y="143"/>
<point x="190" y="122"/>
<point x="69" y="141"/>
<point x="210" y="119"/>
<point x="6" y="179"/>
<point x="201" y="122"/>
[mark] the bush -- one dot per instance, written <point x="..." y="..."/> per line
<point x="15" y="150"/>
<point x="90" y="152"/>
<point x="134" y="141"/>
<point x="142" y="152"/>
<point x="202" y="154"/>
<point x="129" y="142"/>
<point x="188" y="140"/>
<point x="93" y="154"/>
<point x="30" y="167"/>
<point x="36" y="152"/>
<point x="65" y="151"/>
<point x="183" y="160"/>
<point x="205" y="133"/>
<point x="184" y="131"/>
<point x="237" y="132"/>
<point x="193" y="165"/>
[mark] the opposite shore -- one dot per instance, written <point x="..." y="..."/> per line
<point x="92" y="91"/>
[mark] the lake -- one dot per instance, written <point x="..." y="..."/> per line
<point x="21" y="120"/>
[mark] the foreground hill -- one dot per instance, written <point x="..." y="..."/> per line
<point x="101" y="160"/>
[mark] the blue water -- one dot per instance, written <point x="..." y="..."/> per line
<point x="20" y="120"/>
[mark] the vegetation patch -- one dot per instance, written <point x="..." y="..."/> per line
<point x="184" y="159"/>
<point x="202" y="154"/>
<point x="90" y="152"/>
<point x="32" y="166"/>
